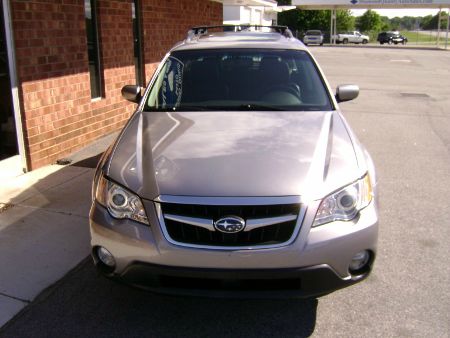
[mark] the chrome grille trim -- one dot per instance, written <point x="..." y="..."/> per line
<point x="251" y="224"/>
<point x="198" y="222"/>
<point x="251" y="201"/>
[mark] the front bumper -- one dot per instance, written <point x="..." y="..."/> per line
<point x="313" y="41"/>
<point x="255" y="283"/>
<point x="315" y="263"/>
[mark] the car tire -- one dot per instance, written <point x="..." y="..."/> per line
<point x="381" y="43"/>
<point x="321" y="44"/>
<point x="345" y="41"/>
<point x="364" y="42"/>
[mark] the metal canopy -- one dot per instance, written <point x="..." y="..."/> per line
<point x="265" y="3"/>
<point x="370" y="4"/>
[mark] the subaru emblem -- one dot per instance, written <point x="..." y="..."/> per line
<point x="230" y="224"/>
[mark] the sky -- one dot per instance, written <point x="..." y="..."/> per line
<point x="391" y="13"/>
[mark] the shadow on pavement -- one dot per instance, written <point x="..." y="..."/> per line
<point x="44" y="226"/>
<point x="87" y="304"/>
<point x="90" y="162"/>
<point x="43" y="232"/>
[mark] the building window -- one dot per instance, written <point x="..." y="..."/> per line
<point x="90" y="11"/>
<point x="137" y="39"/>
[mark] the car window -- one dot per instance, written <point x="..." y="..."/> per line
<point x="238" y="79"/>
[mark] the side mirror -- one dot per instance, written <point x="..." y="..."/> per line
<point x="346" y="92"/>
<point x="131" y="93"/>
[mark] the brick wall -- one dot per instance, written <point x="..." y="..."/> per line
<point x="166" y="22"/>
<point x="59" y="116"/>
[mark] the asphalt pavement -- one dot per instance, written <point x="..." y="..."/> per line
<point x="402" y="116"/>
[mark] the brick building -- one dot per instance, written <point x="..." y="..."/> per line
<point x="64" y="62"/>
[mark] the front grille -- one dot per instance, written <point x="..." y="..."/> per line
<point x="272" y="234"/>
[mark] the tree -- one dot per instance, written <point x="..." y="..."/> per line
<point x="289" y="18"/>
<point x="396" y="23"/>
<point x="408" y="23"/>
<point x="385" y="23"/>
<point x="426" y="22"/>
<point x="284" y="2"/>
<point x="429" y="22"/>
<point x="369" y="21"/>
<point x="345" y="21"/>
<point x="302" y="20"/>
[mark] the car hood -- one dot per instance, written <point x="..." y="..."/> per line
<point x="245" y="153"/>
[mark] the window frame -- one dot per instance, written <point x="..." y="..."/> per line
<point x="136" y="17"/>
<point x="94" y="58"/>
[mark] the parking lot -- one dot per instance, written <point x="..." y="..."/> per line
<point x="403" y="117"/>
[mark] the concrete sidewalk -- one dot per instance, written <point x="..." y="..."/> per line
<point x="44" y="229"/>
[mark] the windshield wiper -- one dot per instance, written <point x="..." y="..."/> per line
<point x="252" y="106"/>
<point x="180" y="108"/>
<point x="189" y="108"/>
<point x="246" y="106"/>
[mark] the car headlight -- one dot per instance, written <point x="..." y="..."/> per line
<point x="345" y="204"/>
<point x="120" y="202"/>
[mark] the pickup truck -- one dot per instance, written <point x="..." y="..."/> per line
<point x="351" y="37"/>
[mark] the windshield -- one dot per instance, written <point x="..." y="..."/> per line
<point x="238" y="79"/>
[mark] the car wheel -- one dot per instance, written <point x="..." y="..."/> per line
<point x="321" y="44"/>
<point x="345" y="41"/>
<point x="365" y="41"/>
<point x="381" y="43"/>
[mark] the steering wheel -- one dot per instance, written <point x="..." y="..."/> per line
<point x="292" y="89"/>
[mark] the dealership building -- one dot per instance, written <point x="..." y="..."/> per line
<point x="63" y="64"/>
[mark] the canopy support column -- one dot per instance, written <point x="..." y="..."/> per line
<point x="333" y="27"/>
<point x="335" y="30"/>
<point x="439" y="27"/>
<point x="448" y="24"/>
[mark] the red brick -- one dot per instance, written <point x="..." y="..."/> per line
<point x="52" y="65"/>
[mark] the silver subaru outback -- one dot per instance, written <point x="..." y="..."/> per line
<point x="237" y="174"/>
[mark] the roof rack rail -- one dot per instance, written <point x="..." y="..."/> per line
<point x="202" y="30"/>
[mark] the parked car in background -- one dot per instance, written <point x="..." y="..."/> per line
<point x="237" y="169"/>
<point x="351" y="37"/>
<point x="391" y="38"/>
<point x="313" y="37"/>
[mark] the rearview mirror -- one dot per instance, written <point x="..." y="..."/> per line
<point x="346" y="92"/>
<point x="131" y="93"/>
